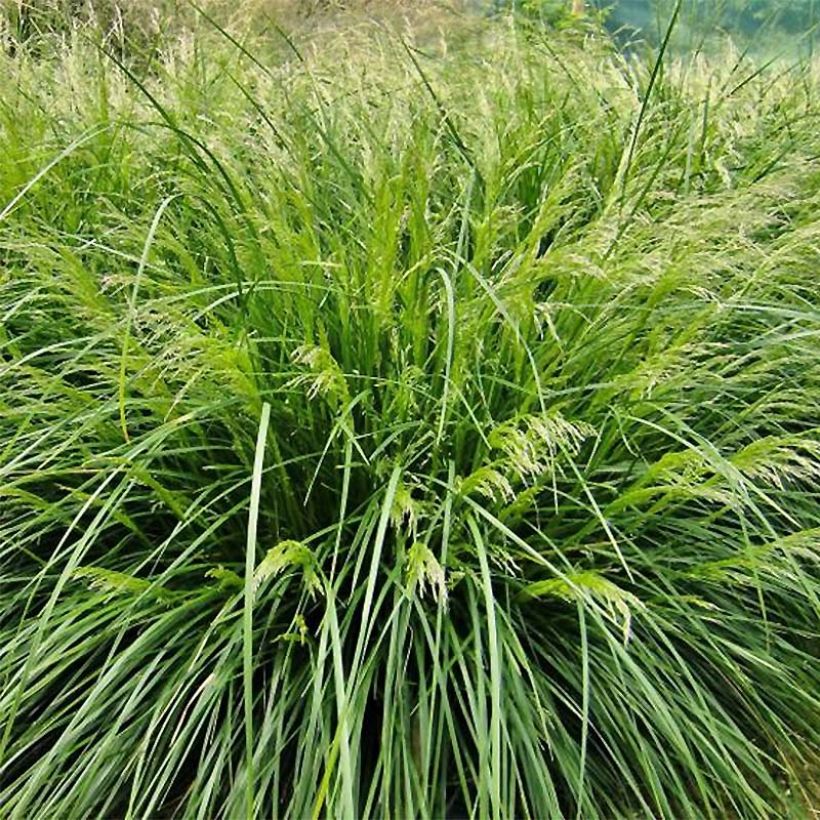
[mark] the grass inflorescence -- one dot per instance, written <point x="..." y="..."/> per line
<point x="397" y="430"/>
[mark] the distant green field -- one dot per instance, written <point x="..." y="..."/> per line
<point x="768" y="28"/>
<point x="768" y="24"/>
<point x="409" y="417"/>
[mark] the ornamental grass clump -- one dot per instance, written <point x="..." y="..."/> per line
<point x="390" y="432"/>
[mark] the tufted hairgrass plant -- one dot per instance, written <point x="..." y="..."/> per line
<point x="390" y="431"/>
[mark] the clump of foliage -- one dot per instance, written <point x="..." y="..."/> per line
<point x="388" y="433"/>
<point x="552" y="12"/>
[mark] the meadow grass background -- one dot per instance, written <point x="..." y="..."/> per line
<point x="403" y="421"/>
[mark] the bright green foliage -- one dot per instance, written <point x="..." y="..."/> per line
<point x="388" y="433"/>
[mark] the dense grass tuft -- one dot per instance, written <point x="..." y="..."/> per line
<point x="407" y="433"/>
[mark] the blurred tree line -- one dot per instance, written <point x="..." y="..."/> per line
<point x="744" y="16"/>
